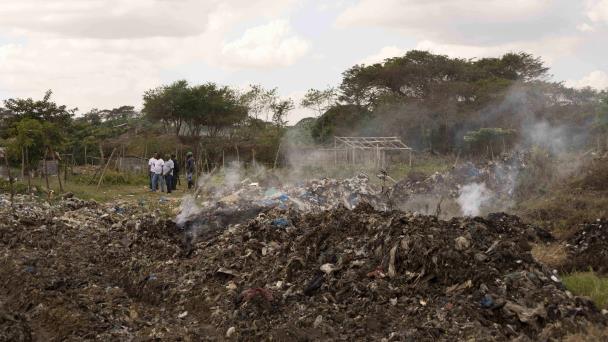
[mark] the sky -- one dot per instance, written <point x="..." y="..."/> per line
<point x="106" y="53"/>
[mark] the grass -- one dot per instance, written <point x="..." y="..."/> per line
<point x="133" y="193"/>
<point x="588" y="284"/>
<point x="553" y="255"/>
<point x="564" y="209"/>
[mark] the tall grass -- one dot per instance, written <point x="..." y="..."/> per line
<point x="590" y="285"/>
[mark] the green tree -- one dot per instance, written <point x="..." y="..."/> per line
<point x="169" y="104"/>
<point x="320" y="100"/>
<point x="42" y="110"/>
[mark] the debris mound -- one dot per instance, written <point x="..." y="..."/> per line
<point x="588" y="248"/>
<point x="118" y="272"/>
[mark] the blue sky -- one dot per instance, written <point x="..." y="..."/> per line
<point x="106" y="53"/>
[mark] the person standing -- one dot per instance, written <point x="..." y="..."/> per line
<point x="175" y="172"/>
<point x="190" y="169"/>
<point x="168" y="174"/>
<point x="157" y="177"/>
<point x="151" y="162"/>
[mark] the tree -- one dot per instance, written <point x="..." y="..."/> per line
<point x="259" y="101"/>
<point x="280" y="110"/>
<point x="42" y="110"/>
<point x="320" y="100"/>
<point x="168" y="104"/>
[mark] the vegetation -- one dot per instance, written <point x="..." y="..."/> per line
<point x="588" y="284"/>
<point x="432" y="102"/>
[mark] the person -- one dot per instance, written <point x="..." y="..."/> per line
<point x="175" y="172"/>
<point x="168" y="174"/>
<point x="151" y="162"/>
<point x="157" y="177"/>
<point x="189" y="169"/>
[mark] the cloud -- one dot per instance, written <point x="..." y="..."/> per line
<point x="597" y="11"/>
<point x="265" y="46"/>
<point x="384" y="53"/>
<point x="597" y="79"/>
<point x="549" y="49"/>
<point x="462" y="21"/>
<point x="106" y="53"/>
<point x="584" y="27"/>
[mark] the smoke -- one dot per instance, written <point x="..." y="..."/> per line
<point x="471" y="197"/>
<point x="547" y="137"/>
<point x="188" y="209"/>
<point x="232" y="175"/>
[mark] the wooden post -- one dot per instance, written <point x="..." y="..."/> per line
<point x="85" y="155"/>
<point x="223" y="159"/>
<point x="410" y="159"/>
<point x="335" y="152"/>
<point x="238" y="158"/>
<point x="252" y="156"/>
<point x="10" y="178"/>
<point x="22" y="163"/>
<point x="58" y="169"/>
<point x="276" y="157"/>
<point x="105" y="168"/>
<point x="46" y="174"/>
<point x="29" y="175"/>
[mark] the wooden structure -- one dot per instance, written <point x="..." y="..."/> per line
<point x="363" y="151"/>
<point x="368" y="150"/>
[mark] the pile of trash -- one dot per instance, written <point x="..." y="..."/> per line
<point x="83" y="270"/>
<point x="245" y="200"/>
<point x="588" y="248"/>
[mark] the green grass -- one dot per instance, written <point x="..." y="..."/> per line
<point x="588" y="284"/>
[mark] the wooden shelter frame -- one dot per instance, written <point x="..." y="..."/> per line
<point x="378" y="144"/>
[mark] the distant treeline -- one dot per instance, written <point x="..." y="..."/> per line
<point x="432" y="102"/>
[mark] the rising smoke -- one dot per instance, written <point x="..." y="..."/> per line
<point x="472" y="197"/>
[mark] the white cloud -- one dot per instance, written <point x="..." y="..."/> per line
<point x="384" y="53"/>
<point x="584" y="27"/>
<point x="597" y="79"/>
<point x="104" y="53"/>
<point x="549" y="49"/>
<point x="463" y="21"/>
<point x="264" y="46"/>
<point x="597" y="11"/>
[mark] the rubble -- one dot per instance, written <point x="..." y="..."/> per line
<point x="588" y="248"/>
<point x="78" y="270"/>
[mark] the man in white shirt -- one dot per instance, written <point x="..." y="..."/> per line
<point x="168" y="173"/>
<point x="150" y="166"/>
<point x="157" y="177"/>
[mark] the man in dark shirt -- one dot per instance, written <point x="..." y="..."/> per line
<point x="175" y="172"/>
<point x="190" y="169"/>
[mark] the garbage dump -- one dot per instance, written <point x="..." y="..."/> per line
<point x="79" y="270"/>
<point x="588" y="248"/>
<point x="424" y="194"/>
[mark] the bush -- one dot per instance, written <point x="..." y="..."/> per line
<point x="588" y="284"/>
<point x="18" y="187"/>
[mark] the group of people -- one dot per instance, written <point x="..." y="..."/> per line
<point x="164" y="173"/>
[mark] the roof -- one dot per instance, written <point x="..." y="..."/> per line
<point x="367" y="143"/>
